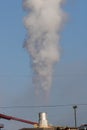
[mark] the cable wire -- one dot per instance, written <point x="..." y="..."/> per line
<point x="49" y="106"/>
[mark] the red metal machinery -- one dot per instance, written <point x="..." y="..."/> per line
<point x="17" y="119"/>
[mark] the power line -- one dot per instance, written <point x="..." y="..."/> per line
<point x="55" y="75"/>
<point x="48" y="106"/>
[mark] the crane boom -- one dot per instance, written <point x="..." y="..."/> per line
<point x="17" y="119"/>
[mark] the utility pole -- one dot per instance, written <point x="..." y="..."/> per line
<point x="75" y="116"/>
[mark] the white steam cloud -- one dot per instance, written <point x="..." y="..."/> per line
<point x="43" y="23"/>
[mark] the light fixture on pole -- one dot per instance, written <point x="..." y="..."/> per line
<point x="75" y="116"/>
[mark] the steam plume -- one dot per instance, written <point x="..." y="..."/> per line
<point x="43" y="23"/>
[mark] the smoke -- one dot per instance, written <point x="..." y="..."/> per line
<point x="43" y="22"/>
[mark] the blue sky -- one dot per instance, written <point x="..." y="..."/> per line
<point x="70" y="77"/>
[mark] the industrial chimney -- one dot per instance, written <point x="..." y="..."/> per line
<point x="43" y="122"/>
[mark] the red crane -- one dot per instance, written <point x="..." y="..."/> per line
<point x="17" y="119"/>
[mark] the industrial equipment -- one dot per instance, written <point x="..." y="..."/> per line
<point x="17" y="119"/>
<point x="41" y="123"/>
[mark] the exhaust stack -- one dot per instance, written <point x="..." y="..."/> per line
<point x="43" y="122"/>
